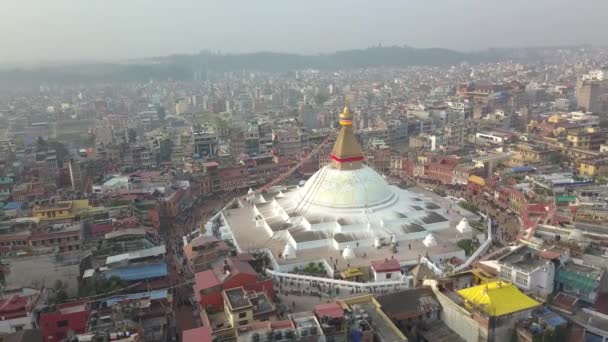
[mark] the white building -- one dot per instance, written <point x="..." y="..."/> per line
<point x="526" y="268"/>
<point x="386" y="270"/>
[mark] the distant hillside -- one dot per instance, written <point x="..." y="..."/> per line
<point x="182" y="67"/>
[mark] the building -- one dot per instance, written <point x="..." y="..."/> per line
<point x="210" y="284"/>
<point x="242" y="307"/>
<point x="581" y="281"/>
<point x="345" y="215"/>
<point x="406" y="308"/>
<point x="486" y="312"/>
<point x="593" y="167"/>
<point x="441" y="171"/>
<point x="530" y="272"/>
<point x="387" y="269"/>
<point x="289" y="141"/>
<point x="588" y="94"/>
<point x="17" y="309"/>
<point x="586" y="139"/>
<point x="57" y="322"/>
<point x="370" y="322"/>
<point x="201" y="334"/>
<point x="62" y="211"/>
<point x="203" y="251"/>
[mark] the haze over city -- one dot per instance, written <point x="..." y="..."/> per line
<point x="303" y="171"/>
<point x="74" y="30"/>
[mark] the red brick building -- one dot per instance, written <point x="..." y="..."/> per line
<point x="209" y="284"/>
<point x="69" y="317"/>
<point x="441" y="171"/>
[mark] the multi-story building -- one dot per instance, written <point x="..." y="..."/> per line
<point x="252" y="138"/>
<point x="242" y="307"/>
<point x="57" y="322"/>
<point x="209" y="284"/>
<point x="588" y="94"/>
<point x="205" y="143"/>
<point x="441" y="171"/>
<point x="486" y="312"/>
<point x="587" y="139"/>
<point x="582" y="281"/>
<point x="289" y="141"/>
<point x="530" y="272"/>
<point x="58" y="212"/>
<point x="17" y="309"/>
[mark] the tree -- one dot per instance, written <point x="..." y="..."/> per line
<point x="132" y="135"/>
<point x="59" y="294"/>
<point x="466" y="245"/>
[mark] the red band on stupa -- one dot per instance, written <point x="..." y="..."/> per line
<point x="347" y="159"/>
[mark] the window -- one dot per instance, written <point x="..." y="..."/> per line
<point x="505" y="273"/>
<point x="521" y="278"/>
<point x="63" y="323"/>
<point x="388" y="275"/>
<point x="242" y="315"/>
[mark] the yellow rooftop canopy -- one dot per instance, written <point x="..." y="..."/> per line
<point x="497" y="298"/>
<point x="477" y="180"/>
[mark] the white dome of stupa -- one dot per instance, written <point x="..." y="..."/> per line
<point x="430" y="241"/>
<point x="348" y="253"/>
<point x="289" y="252"/>
<point x="463" y="226"/>
<point x="359" y="188"/>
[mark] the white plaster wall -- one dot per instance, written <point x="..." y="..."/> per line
<point x="8" y="326"/>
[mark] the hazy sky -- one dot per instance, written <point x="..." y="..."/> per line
<point x="58" y="30"/>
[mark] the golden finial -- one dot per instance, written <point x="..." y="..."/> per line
<point x="346" y="117"/>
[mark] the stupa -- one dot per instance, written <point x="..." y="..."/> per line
<point x="345" y="206"/>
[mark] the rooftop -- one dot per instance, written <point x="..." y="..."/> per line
<point x="140" y="254"/>
<point x="363" y="309"/>
<point x="201" y="334"/>
<point x="524" y="259"/>
<point x="139" y="272"/>
<point x="237" y="298"/>
<point x="409" y="304"/>
<point x="497" y="298"/>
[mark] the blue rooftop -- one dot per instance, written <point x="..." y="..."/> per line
<point x="549" y="317"/>
<point x="518" y="169"/>
<point x="13" y="205"/>
<point x="139" y="272"/>
<point x="153" y="295"/>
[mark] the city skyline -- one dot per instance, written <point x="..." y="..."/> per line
<point x="73" y="31"/>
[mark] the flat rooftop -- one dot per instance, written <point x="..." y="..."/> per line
<point x="237" y="298"/>
<point x="524" y="259"/>
<point x="383" y="326"/>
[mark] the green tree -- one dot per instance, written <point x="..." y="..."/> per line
<point x="466" y="245"/>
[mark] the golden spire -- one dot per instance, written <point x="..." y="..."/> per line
<point x="346" y="117"/>
<point x="347" y="153"/>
